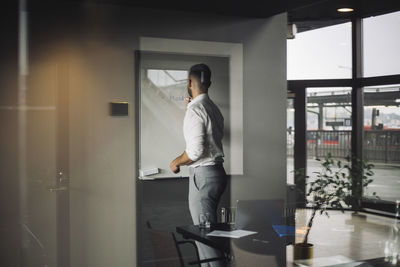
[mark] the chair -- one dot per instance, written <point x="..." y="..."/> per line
<point x="260" y="215"/>
<point x="256" y="214"/>
<point x="168" y="252"/>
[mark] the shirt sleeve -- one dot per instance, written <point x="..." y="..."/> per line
<point x="195" y="134"/>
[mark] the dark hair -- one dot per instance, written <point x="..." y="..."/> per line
<point x="203" y="73"/>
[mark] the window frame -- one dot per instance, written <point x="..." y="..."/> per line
<point x="357" y="83"/>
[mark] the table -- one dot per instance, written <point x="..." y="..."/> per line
<point x="194" y="232"/>
<point x="265" y="242"/>
<point x="381" y="262"/>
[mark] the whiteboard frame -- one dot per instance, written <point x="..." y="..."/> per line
<point x="205" y="48"/>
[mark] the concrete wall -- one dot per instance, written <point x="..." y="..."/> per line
<point x="97" y="42"/>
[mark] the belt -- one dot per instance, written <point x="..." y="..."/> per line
<point x="215" y="166"/>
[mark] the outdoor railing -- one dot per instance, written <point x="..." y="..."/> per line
<point x="382" y="145"/>
<point x="379" y="145"/>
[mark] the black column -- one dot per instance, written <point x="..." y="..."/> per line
<point x="300" y="142"/>
<point x="357" y="98"/>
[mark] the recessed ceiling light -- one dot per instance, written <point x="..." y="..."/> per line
<point x="345" y="9"/>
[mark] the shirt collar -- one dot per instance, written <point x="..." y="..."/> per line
<point x="198" y="98"/>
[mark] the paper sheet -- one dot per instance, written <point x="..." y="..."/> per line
<point x="231" y="234"/>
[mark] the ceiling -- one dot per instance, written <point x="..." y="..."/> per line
<point x="307" y="14"/>
<point x="324" y="13"/>
<point x="242" y="8"/>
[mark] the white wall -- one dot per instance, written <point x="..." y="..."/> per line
<point x="98" y="43"/>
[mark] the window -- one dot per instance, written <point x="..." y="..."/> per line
<point x="381" y="45"/>
<point x="325" y="54"/>
<point x="290" y="139"/>
<point x="382" y="139"/>
<point x="320" y="54"/>
<point x="328" y="125"/>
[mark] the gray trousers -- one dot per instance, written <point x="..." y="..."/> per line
<point x="206" y="185"/>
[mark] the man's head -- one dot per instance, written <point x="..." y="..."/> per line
<point x="199" y="79"/>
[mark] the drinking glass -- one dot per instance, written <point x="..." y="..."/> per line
<point x="204" y="220"/>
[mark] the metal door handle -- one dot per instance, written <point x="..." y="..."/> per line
<point x="55" y="189"/>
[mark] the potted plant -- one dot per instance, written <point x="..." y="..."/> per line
<point x="335" y="186"/>
<point x="353" y="185"/>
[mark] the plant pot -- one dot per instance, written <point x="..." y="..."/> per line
<point x="303" y="251"/>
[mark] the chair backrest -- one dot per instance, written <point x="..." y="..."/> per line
<point x="165" y="250"/>
<point x="256" y="214"/>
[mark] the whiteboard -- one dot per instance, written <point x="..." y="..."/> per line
<point x="161" y="102"/>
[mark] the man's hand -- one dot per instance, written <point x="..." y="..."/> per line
<point x="174" y="168"/>
<point x="179" y="161"/>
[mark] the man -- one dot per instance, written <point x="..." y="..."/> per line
<point x="203" y="129"/>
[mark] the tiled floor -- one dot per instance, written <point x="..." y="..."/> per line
<point x="345" y="235"/>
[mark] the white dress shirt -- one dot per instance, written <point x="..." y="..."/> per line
<point x="203" y="129"/>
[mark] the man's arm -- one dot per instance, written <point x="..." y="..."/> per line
<point x="179" y="161"/>
<point x="194" y="143"/>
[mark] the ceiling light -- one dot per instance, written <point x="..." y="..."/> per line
<point x="345" y="9"/>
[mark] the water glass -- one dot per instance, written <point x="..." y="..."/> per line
<point x="204" y="220"/>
